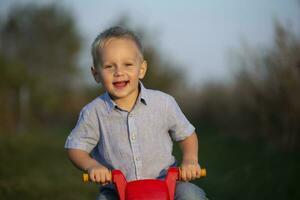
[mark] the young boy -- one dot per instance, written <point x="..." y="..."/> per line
<point x="130" y="127"/>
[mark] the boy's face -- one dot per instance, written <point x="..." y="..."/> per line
<point x="121" y="68"/>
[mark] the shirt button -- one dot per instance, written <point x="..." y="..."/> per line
<point x="137" y="158"/>
<point x="133" y="137"/>
<point x="130" y="115"/>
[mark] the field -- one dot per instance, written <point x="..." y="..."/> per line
<point x="35" y="166"/>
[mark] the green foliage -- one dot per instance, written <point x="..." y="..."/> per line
<point x="38" y="63"/>
<point x="162" y="75"/>
<point x="44" y="39"/>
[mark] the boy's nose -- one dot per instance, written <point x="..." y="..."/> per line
<point x="118" y="71"/>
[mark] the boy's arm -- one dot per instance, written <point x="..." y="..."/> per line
<point x="190" y="169"/>
<point x="81" y="159"/>
<point x="97" y="172"/>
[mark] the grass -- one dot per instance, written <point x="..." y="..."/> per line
<point x="247" y="169"/>
<point x="35" y="166"/>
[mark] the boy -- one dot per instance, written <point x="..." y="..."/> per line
<point x="130" y="127"/>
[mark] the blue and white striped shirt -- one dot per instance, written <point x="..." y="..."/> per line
<point x="138" y="142"/>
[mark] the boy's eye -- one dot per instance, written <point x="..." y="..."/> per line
<point x="128" y="64"/>
<point x="107" y="66"/>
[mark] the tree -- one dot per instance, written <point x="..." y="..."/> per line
<point x="38" y="51"/>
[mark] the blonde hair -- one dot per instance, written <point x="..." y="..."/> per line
<point x="113" y="32"/>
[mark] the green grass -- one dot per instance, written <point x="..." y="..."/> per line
<point x="35" y="166"/>
<point x="247" y="169"/>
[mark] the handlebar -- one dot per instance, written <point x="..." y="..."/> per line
<point x="86" y="178"/>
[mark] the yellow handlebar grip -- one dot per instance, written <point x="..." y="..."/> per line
<point x="203" y="172"/>
<point x="85" y="177"/>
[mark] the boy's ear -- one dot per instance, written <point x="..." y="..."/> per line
<point x="143" y="69"/>
<point x="96" y="74"/>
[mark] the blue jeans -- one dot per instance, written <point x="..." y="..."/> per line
<point x="184" y="191"/>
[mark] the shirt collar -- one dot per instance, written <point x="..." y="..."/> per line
<point x="143" y="98"/>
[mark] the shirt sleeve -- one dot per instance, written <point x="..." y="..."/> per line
<point x="179" y="126"/>
<point x="85" y="135"/>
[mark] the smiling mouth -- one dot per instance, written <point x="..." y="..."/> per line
<point x="120" y="84"/>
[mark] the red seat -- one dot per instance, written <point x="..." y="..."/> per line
<point x="147" y="189"/>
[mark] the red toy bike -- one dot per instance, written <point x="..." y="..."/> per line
<point x="147" y="189"/>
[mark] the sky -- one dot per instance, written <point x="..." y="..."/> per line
<point x="196" y="34"/>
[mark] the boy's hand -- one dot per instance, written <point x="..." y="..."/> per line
<point x="189" y="170"/>
<point x="99" y="174"/>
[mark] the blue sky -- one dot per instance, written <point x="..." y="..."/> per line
<point x="195" y="34"/>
